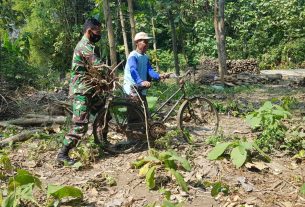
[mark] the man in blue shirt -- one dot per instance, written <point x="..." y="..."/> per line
<point x="139" y="72"/>
<point x="138" y="69"/>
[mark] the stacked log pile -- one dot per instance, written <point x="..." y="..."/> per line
<point x="244" y="78"/>
<point x="233" y="66"/>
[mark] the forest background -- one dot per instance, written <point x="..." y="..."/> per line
<point x="37" y="37"/>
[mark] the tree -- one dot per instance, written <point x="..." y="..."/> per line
<point x="123" y="29"/>
<point x="220" y="37"/>
<point x="174" y="41"/>
<point x="111" y="39"/>
<point x="132" y="22"/>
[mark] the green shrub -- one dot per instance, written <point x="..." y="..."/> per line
<point x="288" y="55"/>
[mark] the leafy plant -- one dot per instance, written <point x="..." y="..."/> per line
<point x="157" y="162"/>
<point x="268" y="119"/>
<point x="239" y="151"/>
<point x="217" y="187"/>
<point x="60" y="192"/>
<point x="21" y="184"/>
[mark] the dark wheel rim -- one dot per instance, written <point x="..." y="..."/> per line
<point x="123" y="137"/>
<point x="198" y="118"/>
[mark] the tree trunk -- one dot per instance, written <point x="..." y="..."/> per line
<point x="132" y="22"/>
<point x="155" y="42"/>
<point x="174" y="42"/>
<point x="220" y="37"/>
<point x="123" y="30"/>
<point x="108" y="20"/>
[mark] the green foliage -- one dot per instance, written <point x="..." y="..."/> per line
<point x="165" y="60"/>
<point x="60" y="192"/>
<point x="21" y="184"/>
<point x="290" y="54"/>
<point x="219" y="187"/>
<point x="239" y="151"/>
<point x="158" y="161"/>
<point x="268" y="119"/>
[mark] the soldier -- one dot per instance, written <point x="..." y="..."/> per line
<point x="79" y="91"/>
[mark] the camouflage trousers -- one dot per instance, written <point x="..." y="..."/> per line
<point x="83" y="106"/>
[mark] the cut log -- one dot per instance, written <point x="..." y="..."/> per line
<point x="19" y="137"/>
<point x="39" y="121"/>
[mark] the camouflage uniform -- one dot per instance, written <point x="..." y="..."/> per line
<point x="81" y="94"/>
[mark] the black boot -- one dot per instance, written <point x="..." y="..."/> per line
<point x="63" y="155"/>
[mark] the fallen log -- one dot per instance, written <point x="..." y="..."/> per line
<point x="36" y="121"/>
<point x="23" y="136"/>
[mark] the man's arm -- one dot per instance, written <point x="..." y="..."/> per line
<point x="152" y="73"/>
<point x="132" y="62"/>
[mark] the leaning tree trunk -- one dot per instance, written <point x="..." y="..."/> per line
<point x="123" y="30"/>
<point x="132" y="22"/>
<point x="174" y="41"/>
<point x="220" y="37"/>
<point x="108" y="20"/>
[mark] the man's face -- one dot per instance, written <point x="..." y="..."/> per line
<point x="142" y="45"/>
<point x="94" y="34"/>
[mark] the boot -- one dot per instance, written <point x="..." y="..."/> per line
<point x="63" y="155"/>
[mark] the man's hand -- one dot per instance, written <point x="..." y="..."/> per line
<point x="164" y="76"/>
<point x="145" y="84"/>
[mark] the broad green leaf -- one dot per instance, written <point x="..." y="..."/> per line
<point x="180" y="180"/>
<point x="302" y="189"/>
<point x="26" y="192"/>
<point x="10" y="201"/>
<point x="165" y="155"/>
<point x="24" y="177"/>
<point x="77" y="165"/>
<point x="60" y="192"/>
<point x="170" y="164"/>
<point x="150" y="178"/>
<point x="246" y="145"/>
<point x="218" y="150"/>
<point x="138" y="164"/>
<point x="254" y="122"/>
<point x="184" y="162"/>
<point x="267" y="106"/>
<point x="151" y="159"/>
<point x="167" y="203"/>
<point x="144" y="169"/>
<point x="238" y="156"/>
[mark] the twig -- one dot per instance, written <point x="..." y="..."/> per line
<point x="145" y="116"/>
<point x="116" y="67"/>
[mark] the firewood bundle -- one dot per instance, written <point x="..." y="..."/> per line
<point x="100" y="78"/>
<point x="233" y="66"/>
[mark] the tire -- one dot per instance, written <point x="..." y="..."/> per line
<point x="122" y="137"/>
<point x="198" y="119"/>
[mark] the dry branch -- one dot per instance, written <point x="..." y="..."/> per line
<point x="19" y="137"/>
<point x="36" y="121"/>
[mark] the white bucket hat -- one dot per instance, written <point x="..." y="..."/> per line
<point x="141" y="36"/>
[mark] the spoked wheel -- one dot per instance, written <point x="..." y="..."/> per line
<point x="125" y="124"/>
<point x="198" y="118"/>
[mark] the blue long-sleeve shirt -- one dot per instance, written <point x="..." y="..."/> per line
<point x="137" y="70"/>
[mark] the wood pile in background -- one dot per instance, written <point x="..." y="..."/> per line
<point x="233" y="66"/>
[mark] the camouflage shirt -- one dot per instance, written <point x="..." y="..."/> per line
<point x="83" y="56"/>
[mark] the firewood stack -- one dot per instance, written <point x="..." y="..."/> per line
<point x="233" y="66"/>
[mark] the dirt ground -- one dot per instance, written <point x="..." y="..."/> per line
<point x="263" y="184"/>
